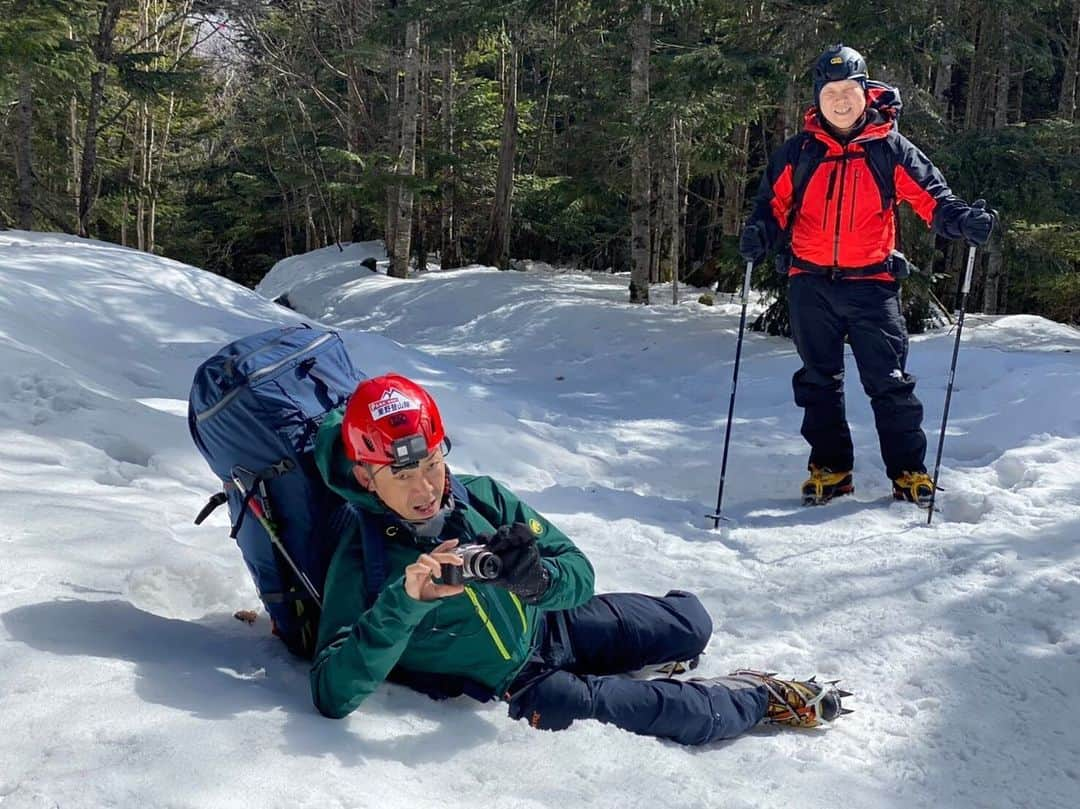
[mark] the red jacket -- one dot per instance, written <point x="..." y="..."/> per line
<point x="845" y="224"/>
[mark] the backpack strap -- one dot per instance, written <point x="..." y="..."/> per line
<point x="347" y="517"/>
<point x="811" y="152"/>
<point x="881" y="160"/>
<point x="460" y="493"/>
<point x="372" y="527"/>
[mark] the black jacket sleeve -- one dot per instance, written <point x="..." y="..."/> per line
<point x="773" y="203"/>
<point x="922" y="186"/>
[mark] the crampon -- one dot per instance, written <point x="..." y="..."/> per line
<point x="798" y="703"/>
<point x="824" y="484"/>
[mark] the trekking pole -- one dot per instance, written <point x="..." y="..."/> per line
<point x="260" y="514"/>
<point x="718" y="514"/>
<point x="952" y="375"/>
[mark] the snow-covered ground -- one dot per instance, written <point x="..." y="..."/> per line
<point x="125" y="682"/>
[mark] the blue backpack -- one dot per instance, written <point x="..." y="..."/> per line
<point x="254" y="410"/>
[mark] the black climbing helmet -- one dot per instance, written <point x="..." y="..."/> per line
<point x="839" y="62"/>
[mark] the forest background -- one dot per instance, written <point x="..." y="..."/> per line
<point x="612" y="136"/>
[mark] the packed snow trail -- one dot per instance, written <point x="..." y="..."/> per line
<point x="126" y="681"/>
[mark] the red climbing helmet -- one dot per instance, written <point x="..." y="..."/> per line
<point x="391" y="420"/>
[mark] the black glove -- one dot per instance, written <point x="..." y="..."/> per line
<point x="523" y="574"/>
<point x="752" y="242"/>
<point x="977" y="223"/>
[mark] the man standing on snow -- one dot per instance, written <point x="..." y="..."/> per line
<point x="828" y="202"/>
<point x="531" y="633"/>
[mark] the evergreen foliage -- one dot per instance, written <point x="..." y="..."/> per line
<point x="233" y="133"/>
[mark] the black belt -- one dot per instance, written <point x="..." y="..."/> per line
<point x="833" y="272"/>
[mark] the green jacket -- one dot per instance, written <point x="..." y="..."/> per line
<point x="485" y="634"/>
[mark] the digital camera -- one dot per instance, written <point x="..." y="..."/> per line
<point x="477" y="563"/>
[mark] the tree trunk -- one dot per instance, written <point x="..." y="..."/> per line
<point x="496" y="251"/>
<point x="393" y="145"/>
<point x="357" y="18"/>
<point x="143" y="117"/>
<point x="676" y="230"/>
<point x="157" y="166"/>
<point x="1003" y="291"/>
<point x="103" y="52"/>
<point x="657" y="200"/>
<point x="946" y="60"/>
<point x="450" y="244"/>
<point x="683" y="264"/>
<point x="541" y="134"/>
<point x="714" y="217"/>
<point x="24" y="150"/>
<point x="420" y="230"/>
<point x="1067" y="99"/>
<point x="995" y="271"/>
<point x="641" y="36"/>
<point x="1018" y="104"/>
<point x="1001" y="98"/>
<point x="735" y="181"/>
<point x="943" y="79"/>
<point x="76" y="171"/>
<point x="399" y="262"/>
<point x="125" y="208"/>
<point x="310" y="234"/>
<point x="791" y="121"/>
<point x="977" y="69"/>
<point x="286" y="225"/>
<point x="143" y="152"/>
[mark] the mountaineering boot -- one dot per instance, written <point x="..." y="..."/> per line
<point x="915" y="487"/>
<point x="824" y="484"/>
<point x="798" y="703"/>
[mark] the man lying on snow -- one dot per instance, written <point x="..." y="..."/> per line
<point x="452" y="585"/>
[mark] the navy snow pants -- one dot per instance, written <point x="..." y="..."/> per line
<point x="575" y="672"/>
<point x="868" y="312"/>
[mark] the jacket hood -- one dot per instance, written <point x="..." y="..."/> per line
<point x="883" y="107"/>
<point x="336" y="467"/>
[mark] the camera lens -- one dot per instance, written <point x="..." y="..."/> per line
<point x="480" y="563"/>
<point x="488" y="565"/>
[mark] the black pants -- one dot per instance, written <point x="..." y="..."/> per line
<point x="822" y="313"/>
<point x="575" y="672"/>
